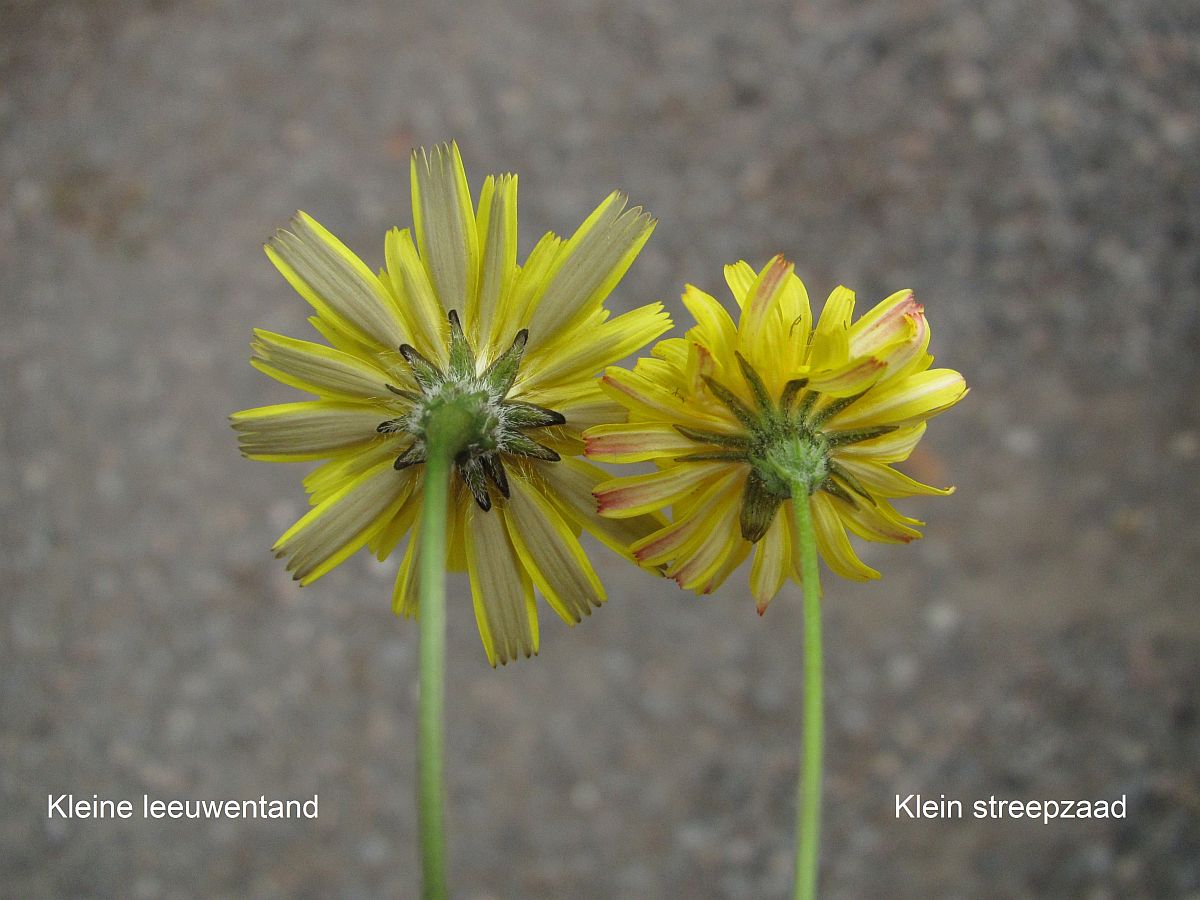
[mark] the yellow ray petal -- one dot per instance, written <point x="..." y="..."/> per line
<point x="714" y="328"/>
<point x="588" y="412"/>
<point x="832" y="542"/>
<point x="635" y="495"/>
<point x="896" y="446"/>
<point x="665" y="544"/>
<point x="456" y="526"/>
<point x="636" y="441"/>
<point x="323" y="481"/>
<point x="772" y="561"/>
<point x="740" y="551"/>
<point x="517" y="305"/>
<point x="878" y="522"/>
<point x="904" y="402"/>
<point x="740" y="277"/>
<point x="384" y="541"/>
<point x="896" y="331"/>
<point x="884" y="323"/>
<point x="757" y="338"/>
<point x="406" y="597"/>
<point x="654" y="402"/>
<point x="796" y="319"/>
<point x="830" y="340"/>
<point x="341" y="339"/>
<point x="885" y="481"/>
<point x="673" y="351"/>
<point x="699" y="563"/>
<point x="854" y="377"/>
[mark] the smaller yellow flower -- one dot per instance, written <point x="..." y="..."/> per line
<point x="730" y="412"/>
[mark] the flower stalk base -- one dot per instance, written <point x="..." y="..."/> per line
<point x="449" y="428"/>
<point x="808" y="801"/>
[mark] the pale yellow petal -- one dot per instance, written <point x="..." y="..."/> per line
<point x="518" y="304"/>
<point x="410" y="281"/>
<point x="406" y="598"/>
<point x="406" y="595"/>
<point x="796" y="320"/>
<point x="887" y="321"/>
<point x="858" y="374"/>
<point x="589" y="266"/>
<point x="674" y="351"/>
<point x="314" y="429"/>
<point x="325" y="480"/>
<point x="550" y="552"/>
<point x="589" y="412"/>
<point x="583" y="352"/>
<point x="341" y="339"/>
<point x="497" y="223"/>
<point x="571" y="482"/>
<point x="330" y="532"/>
<point x="456" y="526"/>
<point x="336" y="282"/>
<point x="897" y="332"/>
<point x="384" y="541"/>
<point x="500" y="589"/>
<point x="444" y="222"/>
<point x="741" y="550"/>
<point x="319" y="369"/>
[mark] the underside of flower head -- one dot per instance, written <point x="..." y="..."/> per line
<point x="499" y="425"/>
<point x="453" y="318"/>
<point x="736" y="415"/>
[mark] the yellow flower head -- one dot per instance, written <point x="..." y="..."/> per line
<point x="454" y="318"/>
<point x="731" y="413"/>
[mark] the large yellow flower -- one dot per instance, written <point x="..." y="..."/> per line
<point x="454" y="318"/>
<point x="729" y="412"/>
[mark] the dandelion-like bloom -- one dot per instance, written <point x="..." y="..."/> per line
<point x="732" y="413"/>
<point x="454" y="320"/>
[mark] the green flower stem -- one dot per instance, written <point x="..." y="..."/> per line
<point x="446" y="432"/>
<point x="808" y="800"/>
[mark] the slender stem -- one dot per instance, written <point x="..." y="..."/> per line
<point x="444" y="437"/>
<point x="808" y="799"/>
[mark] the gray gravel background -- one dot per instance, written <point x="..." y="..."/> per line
<point x="1029" y="167"/>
